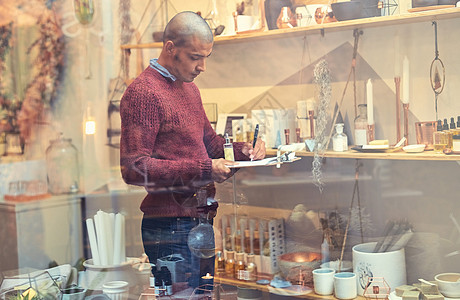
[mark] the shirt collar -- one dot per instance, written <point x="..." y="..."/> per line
<point x="162" y="70"/>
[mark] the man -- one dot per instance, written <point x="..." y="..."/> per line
<point x="169" y="146"/>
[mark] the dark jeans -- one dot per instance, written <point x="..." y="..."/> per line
<point x="167" y="236"/>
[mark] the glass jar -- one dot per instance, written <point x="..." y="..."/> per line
<point x="62" y="166"/>
<point x="339" y="140"/>
<point x="361" y="125"/>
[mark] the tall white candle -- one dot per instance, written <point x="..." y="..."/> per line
<point x="405" y="98"/>
<point x="108" y="231"/>
<point x="93" y="241"/>
<point x="370" y="103"/>
<point x="101" y="238"/>
<point x="117" y="240"/>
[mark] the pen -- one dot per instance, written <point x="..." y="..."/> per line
<point x="256" y="133"/>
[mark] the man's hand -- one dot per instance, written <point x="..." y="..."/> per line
<point x="258" y="152"/>
<point x="220" y="171"/>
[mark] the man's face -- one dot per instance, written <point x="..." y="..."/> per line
<point x="190" y="60"/>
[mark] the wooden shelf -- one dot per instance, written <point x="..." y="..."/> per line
<point x="415" y="17"/>
<point x="268" y="289"/>
<point x="399" y="155"/>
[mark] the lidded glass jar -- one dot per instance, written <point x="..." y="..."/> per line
<point x="62" y="166"/>
<point x="361" y="125"/>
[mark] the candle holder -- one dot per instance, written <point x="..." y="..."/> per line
<point x="406" y="123"/>
<point x="370" y="132"/>
<point x="398" y="109"/>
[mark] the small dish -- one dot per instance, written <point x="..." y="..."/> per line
<point x="416" y="148"/>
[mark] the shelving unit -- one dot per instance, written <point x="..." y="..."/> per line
<point x="398" y="155"/>
<point x="415" y="17"/>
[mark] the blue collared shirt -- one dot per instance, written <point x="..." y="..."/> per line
<point x="162" y="70"/>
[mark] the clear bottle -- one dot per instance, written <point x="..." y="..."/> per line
<point x="228" y="149"/>
<point x="251" y="269"/>
<point x="339" y="140"/>
<point x="361" y="125"/>
<point x="230" y="264"/>
<point x="439" y="138"/>
<point x="62" y="166"/>
<point x="240" y="266"/>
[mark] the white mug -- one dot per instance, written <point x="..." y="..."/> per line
<point x="323" y="281"/>
<point x="345" y="285"/>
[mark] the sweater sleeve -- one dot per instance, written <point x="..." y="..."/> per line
<point x="141" y="118"/>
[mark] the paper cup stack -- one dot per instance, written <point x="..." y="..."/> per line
<point x="116" y="290"/>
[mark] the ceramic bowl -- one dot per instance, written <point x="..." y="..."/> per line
<point x="289" y="261"/>
<point x="347" y="266"/>
<point x="416" y="148"/>
<point x="349" y="10"/>
<point x="449" y="284"/>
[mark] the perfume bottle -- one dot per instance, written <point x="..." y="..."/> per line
<point x="239" y="266"/>
<point x="361" y="125"/>
<point x="230" y="264"/>
<point x="228" y="149"/>
<point x="439" y="138"/>
<point x="339" y="140"/>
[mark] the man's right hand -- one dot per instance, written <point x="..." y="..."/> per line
<point x="220" y="171"/>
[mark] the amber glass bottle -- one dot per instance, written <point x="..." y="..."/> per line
<point x="230" y="264"/>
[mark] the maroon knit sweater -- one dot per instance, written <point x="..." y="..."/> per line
<point x="167" y="143"/>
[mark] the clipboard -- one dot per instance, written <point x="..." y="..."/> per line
<point x="287" y="157"/>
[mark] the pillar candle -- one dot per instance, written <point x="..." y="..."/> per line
<point x="370" y="103"/>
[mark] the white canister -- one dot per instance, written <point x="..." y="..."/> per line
<point x="389" y="265"/>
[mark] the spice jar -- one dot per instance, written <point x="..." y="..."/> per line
<point x="62" y="166"/>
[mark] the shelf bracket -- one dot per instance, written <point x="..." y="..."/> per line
<point x="322" y="32"/>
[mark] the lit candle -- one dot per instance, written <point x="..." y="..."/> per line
<point x="207" y="276"/>
<point x="370" y="103"/>
<point x="405" y="98"/>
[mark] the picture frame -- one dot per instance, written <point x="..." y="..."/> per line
<point x="224" y="123"/>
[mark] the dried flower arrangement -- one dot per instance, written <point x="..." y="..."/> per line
<point x="48" y="64"/>
<point x="9" y="106"/>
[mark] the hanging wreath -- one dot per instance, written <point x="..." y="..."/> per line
<point x="48" y="65"/>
